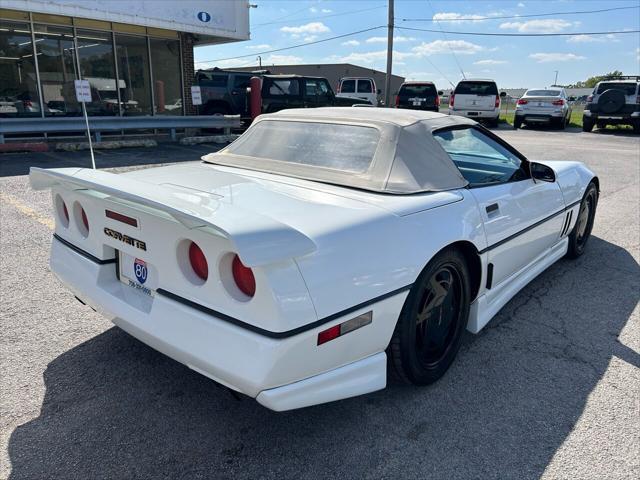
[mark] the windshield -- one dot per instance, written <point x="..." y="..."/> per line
<point x="343" y="147"/>
<point x="476" y="88"/>
<point x="424" y="90"/>
<point x="542" y="93"/>
<point x="627" y="88"/>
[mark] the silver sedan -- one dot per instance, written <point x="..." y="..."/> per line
<point x="548" y="106"/>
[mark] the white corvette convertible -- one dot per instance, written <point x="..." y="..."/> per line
<point x="295" y="263"/>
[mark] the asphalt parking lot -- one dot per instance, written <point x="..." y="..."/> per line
<point x="550" y="388"/>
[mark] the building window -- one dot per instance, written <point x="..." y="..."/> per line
<point x="95" y="53"/>
<point x="58" y="69"/>
<point x="18" y="81"/>
<point x="165" y="63"/>
<point x="133" y="72"/>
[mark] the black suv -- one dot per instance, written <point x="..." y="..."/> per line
<point x="613" y="102"/>
<point x="418" y="96"/>
<point x="225" y="92"/>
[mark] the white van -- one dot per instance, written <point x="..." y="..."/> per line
<point x="361" y="88"/>
<point x="477" y="99"/>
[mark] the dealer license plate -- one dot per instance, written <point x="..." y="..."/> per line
<point x="138" y="274"/>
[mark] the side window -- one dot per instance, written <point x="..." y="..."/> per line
<point x="348" y="86"/>
<point x="311" y="88"/>
<point x="323" y="85"/>
<point x="480" y="159"/>
<point x="241" y="82"/>
<point x="213" y="81"/>
<point x="364" y="86"/>
<point x="278" y="88"/>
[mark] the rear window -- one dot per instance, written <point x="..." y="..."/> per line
<point x="279" y="87"/>
<point x="476" y="88"/>
<point x="348" y="86"/>
<point x="543" y="93"/>
<point x="419" y="90"/>
<point x="627" y="88"/>
<point x="364" y="86"/>
<point x="342" y="147"/>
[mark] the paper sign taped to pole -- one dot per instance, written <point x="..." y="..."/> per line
<point x="83" y="90"/>
<point x="196" y="96"/>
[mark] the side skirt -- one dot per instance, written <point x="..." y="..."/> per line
<point x="487" y="305"/>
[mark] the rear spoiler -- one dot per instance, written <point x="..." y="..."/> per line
<point x="257" y="239"/>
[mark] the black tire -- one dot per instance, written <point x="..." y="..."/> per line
<point x="601" y="125"/>
<point x="424" y="344"/>
<point x="587" y="124"/>
<point x="636" y="127"/>
<point x="517" y="123"/>
<point x="559" y="124"/>
<point x="493" y="123"/>
<point x="581" y="232"/>
<point x="215" y="109"/>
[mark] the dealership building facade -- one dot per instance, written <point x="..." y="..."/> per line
<point x="137" y="56"/>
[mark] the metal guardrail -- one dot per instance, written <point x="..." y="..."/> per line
<point x="104" y="124"/>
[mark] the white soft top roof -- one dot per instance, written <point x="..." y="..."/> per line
<point x="408" y="158"/>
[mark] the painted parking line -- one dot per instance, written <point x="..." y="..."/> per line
<point x="27" y="211"/>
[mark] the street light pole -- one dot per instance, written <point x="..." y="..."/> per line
<point x="556" y="80"/>
<point x="387" y="81"/>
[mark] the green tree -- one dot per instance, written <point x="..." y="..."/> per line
<point x="592" y="81"/>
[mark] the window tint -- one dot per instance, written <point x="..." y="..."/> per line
<point x="543" y="93"/>
<point x="419" y="90"/>
<point x="343" y="147"/>
<point x="476" y="88"/>
<point x="279" y="87"/>
<point x="627" y="88"/>
<point x="208" y="80"/>
<point x="241" y="82"/>
<point x="315" y="87"/>
<point x="364" y="86"/>
<point x="480" y="159"/>
<point x="348" y="86"/>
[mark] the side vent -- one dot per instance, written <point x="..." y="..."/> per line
<point x="489" y="276"/>
<point x="567" y="224"/>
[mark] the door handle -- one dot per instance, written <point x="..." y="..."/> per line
<point x="492" y="208"/>
<point x="234" y="92"/>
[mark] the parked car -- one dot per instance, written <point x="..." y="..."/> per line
<point x="292" y="264"/>
<point x="477" y="99"/>
<point x="613" y="102"/>
<point x="418" y="96"/>
<point x="549" y="106"/>
<point x="362" y="88"/>
<point x="225" y="92"/>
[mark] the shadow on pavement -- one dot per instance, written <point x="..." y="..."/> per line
<point x="115" y="408"/>
<point x="13" y="164"/>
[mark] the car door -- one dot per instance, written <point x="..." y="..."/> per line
<point x="316" y="93"/>
<point x="522" y="218"/>
<point x="281" y="93"/>
<point x="239" y="94"/>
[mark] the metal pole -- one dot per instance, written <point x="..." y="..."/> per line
<point x="86" y="121"/>
<point x="556" y="80"/>
<point x="387" y="80"/>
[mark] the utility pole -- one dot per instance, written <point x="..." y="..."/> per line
<point x="259" y="58"/>
<point x="387" y="81"/>
<point x="556" y="80"/>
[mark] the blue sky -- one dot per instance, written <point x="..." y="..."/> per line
<point x="513" y="62"/>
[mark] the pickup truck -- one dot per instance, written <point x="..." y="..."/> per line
<point x="225" y="92"/>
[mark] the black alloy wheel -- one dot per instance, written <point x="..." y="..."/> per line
<point x="429" y="331"/>
<point x="584" y="222"/>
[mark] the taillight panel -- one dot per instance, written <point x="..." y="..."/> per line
<point x="522" y="101"/>
<point x="243" y="277"/>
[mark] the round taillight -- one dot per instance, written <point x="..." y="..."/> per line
<point x="243" y="276"/>
<point x="85" y="220"/>
<point x="198" y="261"/>
<point x="65" y="212"/>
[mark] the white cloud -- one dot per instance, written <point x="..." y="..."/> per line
<point x="282" y="60"/>
<point x="521" y="5"/>
<point x="592" y="38"/>
<point x="308" y="29"/>
<point x="351" y="43"/>
<point x="326" y="10"/>
<point x="262" y="46"/>
<point x="455" y="17"/>
<point x="310" y="38"/>
<point x="551" y="25"/>
<point x="555" y="57"/>
<point x="418" y="75"/>
<point x="370" y="57"/>
<point x="398" y="39"/>
<point x="490" y="62"/>
<point x="447" y="46"/>
<point x="322" y="10"/>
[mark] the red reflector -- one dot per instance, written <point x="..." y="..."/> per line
<point x="451" y="99"/>
<point x="243" y="277"/>
<point x="329" y="334"/>
<point x="558" y="102"/>
<point x="121" y="218"/>
<point x="85" y="220"/>
<point x="198" y="261"/>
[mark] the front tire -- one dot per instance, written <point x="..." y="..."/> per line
<point x="584" y="222"/>
<point x="429" y="331"/>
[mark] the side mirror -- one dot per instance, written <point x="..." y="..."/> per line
<point x="503" y="94"/>
<point x="542" y="172"/>
<point x="378" y="91"/>
<point x="572" y="99"/>
<point x="440" y="92"/>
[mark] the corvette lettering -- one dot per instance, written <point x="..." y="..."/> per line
<point x="125" y="238"/>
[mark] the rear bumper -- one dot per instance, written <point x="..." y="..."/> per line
<point x="287" y="373"/>
<point x="612" y="117"/>
<point x="476" y="114"/>
<point x="539" y="117"/>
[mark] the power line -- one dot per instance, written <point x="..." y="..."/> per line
<point x="483" y="34"/>
<point x="480" y="19"/>
<point x="294" y="46"/>
<point x="322" y="16"/>
<point x="284" y="16"/>
<point x="455" y="57"/>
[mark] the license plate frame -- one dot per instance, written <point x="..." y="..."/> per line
<point x="127" y="275"/>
